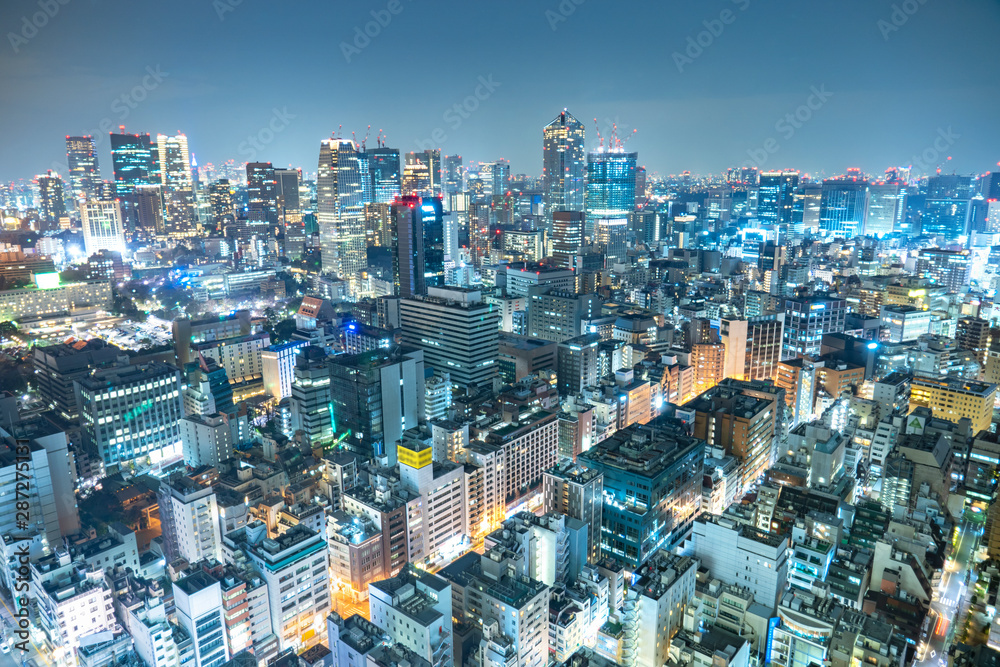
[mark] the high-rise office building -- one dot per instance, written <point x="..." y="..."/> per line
<point x="288" y="194"/>
<point x="102" y="226"/>
<point x="774" y="196"/>
<point x="753" y="346"/>
<point x="312" y="407"/>
<point x="180" y="214"/>
<point x="422" y="173"/>
<point x="84" y="173"/>
<point x="51" y="200"/>
<point x="298" y="613"/>
<point x="57" y="366"/>
<point x="135" y="159"/>
<point x="577" y="492"/>
<point x="452" y="176"/>
<point x="221" y="205"/>
<point x="807" y="319"/>
<point x="885" y="207"/>
<point x="612" y="236"/>
<point x="564" y="165"/>
<point x="946" y="208"/>
<point x="567" y="237"/>
<point x="340" y="209"/>
<point x="189" y="514"/>
<point x="610" y="186"/>
<point x="842" y="207"/>
<point x="578" y="364"/>
<point x="953" y="399"/>
<point x="385" y="174"/>
<point x="130" y="413"/>
<point x="652" y="488"/>
<point x="458" y="332"/>
<point x="495" y="177"/>
<point x="262" y="192"/>
<point x="740" y="420"/>
<point x="375" y="397"/>
<point x="198" y="604"/>
<point x="418" y="244"/>
<point x="948" y="268"/>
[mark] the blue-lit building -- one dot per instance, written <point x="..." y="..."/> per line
<point x="384" y="173"/>
<point x="610" y="186"/>
<point x="652" y="488"/>
<point x="946" y="208"/>
<point x="131" y="414"/>
<point x="134" y="159"/>
<point x="807" y="319"/>
<point x="418" y="243"/>
<point x="775" y="196"/>
<point x="842" y="207"/>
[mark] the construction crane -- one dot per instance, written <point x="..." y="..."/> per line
<point x="600" y="139"/>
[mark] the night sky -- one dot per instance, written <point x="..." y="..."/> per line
<point x="224" y="68"/>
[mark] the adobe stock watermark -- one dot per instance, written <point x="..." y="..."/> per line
<point x="788" y="125"/>
<point x="223" y="7"/>
<point x="381" y="18"/>
<point x="31" y="24"/>
<point x="458" y="113"/>
<point x="562" y="12"/>
<point x="926" y="160"/>
<point x="696" y="44"/>
<point x="280" y="119"/>
<point x="900" y="14"/>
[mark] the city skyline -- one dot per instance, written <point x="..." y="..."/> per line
<point x="685" y="119"/>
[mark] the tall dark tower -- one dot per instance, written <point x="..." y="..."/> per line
<point x="418" y="244"/>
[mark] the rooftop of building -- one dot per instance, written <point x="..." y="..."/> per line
<point x="745" y="531"/>
<point x="570" y="471"/>
<point x="647" y="450"/>
<point x="196" y="581"/>
<point x="961" y="385"/>
<point x="357" y="632"/>
<point x="407" y="597"/>
<point x="661" y="572"/>
<point x="514" y="591"/>
<point x="728" y="400"/>
<point x="117" y="376"/>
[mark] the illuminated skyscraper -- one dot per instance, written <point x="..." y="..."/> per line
<point x="886" y="203"/>
<point x="610" y="186"/>
<point x="946" y="210"/>
<point x="220" y="195"/>
<point x="418" y="245"/>
<point x="134" y="158"/>
<point x="51" y="200"/>
<point x="496" y="177"/>
<point x="84" y="174"/>
<point x="564" y="165"/>
<point x="340" y="209"/>
<point x="567" y="237"/>
<point x="262" y="192"/>
<point x="774" y="196"/>
<point x="842" y="207"/>
<point x="288" y="193"/>
<point x="452" y="175"/>
<point x="102" y="226"/>
<point x="383" y="168"/>
<point x="180" y="215"/>
<point x="612" y="237"/>
<point x="424" y="171"/>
